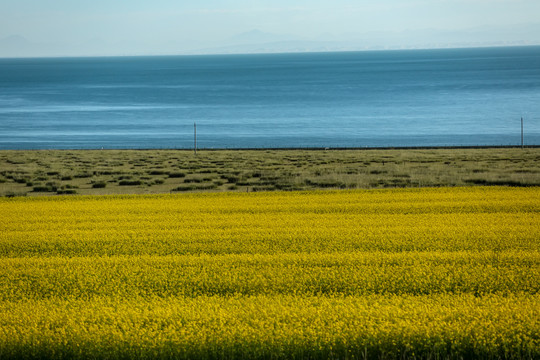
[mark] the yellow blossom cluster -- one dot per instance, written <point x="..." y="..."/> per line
<point x="402" y="273"/>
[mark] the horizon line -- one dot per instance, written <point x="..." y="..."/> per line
<point x="464" y="47"/>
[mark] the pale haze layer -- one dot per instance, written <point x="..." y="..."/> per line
<point x="137" y="27"/>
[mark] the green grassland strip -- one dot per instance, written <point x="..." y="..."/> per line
<point x="98" y="172"/>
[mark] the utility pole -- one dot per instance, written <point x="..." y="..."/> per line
<point x="522" y="133"/>
<point x="195" y="138"/>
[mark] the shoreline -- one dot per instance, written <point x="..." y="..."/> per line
<point x="450" y="147"/>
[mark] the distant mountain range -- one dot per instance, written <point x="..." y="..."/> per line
<point x="16" y="45"/>
<point x="259" y="42"/>
<point x="256" y="41"/>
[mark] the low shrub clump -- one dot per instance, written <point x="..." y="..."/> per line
<point x="130" y="182"/>
<point x="99" y="185"/>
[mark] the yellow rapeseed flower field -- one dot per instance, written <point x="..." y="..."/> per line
<point x="403" y="273"/>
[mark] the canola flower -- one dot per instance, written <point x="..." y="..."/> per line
<point x="448" y="219"/>
<point x="146" y="276"/>
<point x="264" y="326"/>
<point x="408" y="273"/>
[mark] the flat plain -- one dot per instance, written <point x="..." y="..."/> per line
<point x="370" y="254"/>
<point x="93" y="172"/>
<point x="387" y="273"/>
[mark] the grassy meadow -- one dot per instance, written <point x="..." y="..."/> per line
<point x="96" y="172"/>
<point x="432" y="273"/>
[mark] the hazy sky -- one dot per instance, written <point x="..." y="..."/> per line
<point x="161" y="25"/>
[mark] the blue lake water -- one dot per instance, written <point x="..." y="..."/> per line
<point x="457" y="97"/>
